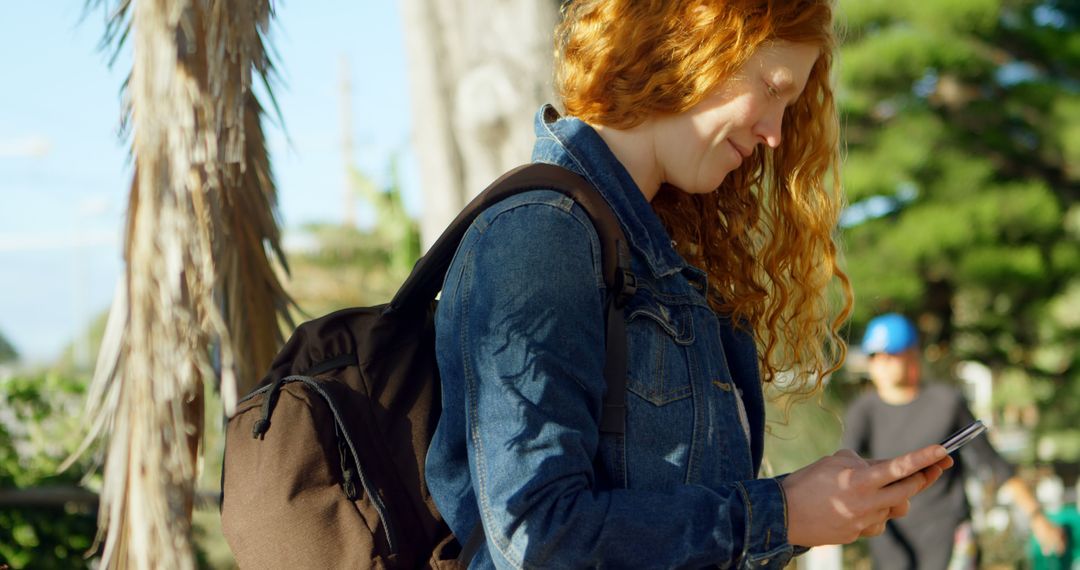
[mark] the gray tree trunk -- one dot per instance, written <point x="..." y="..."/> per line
<point x="478" y="71"/>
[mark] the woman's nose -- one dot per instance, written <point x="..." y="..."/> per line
<point x="768" y="127"/>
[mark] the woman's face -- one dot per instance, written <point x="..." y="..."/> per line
<point x="696" y="149"/>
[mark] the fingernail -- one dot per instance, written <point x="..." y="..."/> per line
<point x="940" y="452"/>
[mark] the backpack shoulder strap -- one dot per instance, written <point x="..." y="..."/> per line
<point x="427" y="277"/>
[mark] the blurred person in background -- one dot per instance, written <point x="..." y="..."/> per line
<point x="902" y="413"/>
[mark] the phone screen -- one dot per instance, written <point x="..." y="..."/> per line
<point x="968" y="433"/>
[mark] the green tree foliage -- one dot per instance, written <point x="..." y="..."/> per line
<point x="7" y="351"/>
<point x="39" y="428"/>
<point x="962" y="125"/>
<point x="346" y="266"/>
<point x="41" y="423"/>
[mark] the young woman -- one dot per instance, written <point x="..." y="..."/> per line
<point x="709" y="127"/>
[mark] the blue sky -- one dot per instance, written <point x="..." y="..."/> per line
<point x="64" y="171"/>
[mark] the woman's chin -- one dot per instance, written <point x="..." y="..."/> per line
<point x="709" y="186"/>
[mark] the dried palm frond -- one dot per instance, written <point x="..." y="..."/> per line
<point x="254" y="299"/>
<point x="200" y="238"/>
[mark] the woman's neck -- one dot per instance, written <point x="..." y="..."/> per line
<point x="635" y="150"/>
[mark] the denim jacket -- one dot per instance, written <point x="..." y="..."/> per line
<point x="520" y="347"/>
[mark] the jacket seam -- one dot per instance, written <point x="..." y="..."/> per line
<point x="698" y="405"/>
<point x="575" y="212"/>
<point x="748" y="520"/>
<point x="783" y="503"/>
<point x="652" y="262"/>
<point x="505" y="545"/>
<point x="482" y="499"/>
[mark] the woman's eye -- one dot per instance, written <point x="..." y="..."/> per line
<point x="771" y="90"/>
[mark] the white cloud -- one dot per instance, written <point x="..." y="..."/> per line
<point x="33" y="146"/>
<point x="45" y="241"/>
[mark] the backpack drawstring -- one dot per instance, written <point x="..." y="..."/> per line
<point x="263" y="423"/>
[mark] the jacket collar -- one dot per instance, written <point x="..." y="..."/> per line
<point x="571" y="143"/>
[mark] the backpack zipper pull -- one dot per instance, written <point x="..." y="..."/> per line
<point x="348" y="483"/>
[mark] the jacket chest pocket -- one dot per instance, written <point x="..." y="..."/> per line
<point x="659" y="338"/>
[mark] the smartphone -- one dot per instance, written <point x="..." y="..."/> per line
<point x="968" y="433"/>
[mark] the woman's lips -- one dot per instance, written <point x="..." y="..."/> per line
<point x="743" y="153"/>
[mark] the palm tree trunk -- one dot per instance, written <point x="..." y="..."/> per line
<point x="198" y="273"/>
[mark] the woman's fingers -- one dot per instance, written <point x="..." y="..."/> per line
<point x="896" y="495"/>
<point x="847" y="453"/>
<point x="893" y="470"/>
<point x="906" y="488"/>
<point x="876" y="525"/>
<point x="874" y="530"/>
<point x="899" y="510"/>
<point x="932" y="473"/>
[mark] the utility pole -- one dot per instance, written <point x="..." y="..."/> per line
<point x="348" y="203"/>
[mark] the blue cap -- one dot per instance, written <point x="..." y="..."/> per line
<point x="890" y="333"/>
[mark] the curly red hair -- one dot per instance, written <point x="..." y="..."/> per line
<point x="766" y="237"/>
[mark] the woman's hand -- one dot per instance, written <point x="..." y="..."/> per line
<point x="839" y="498"/>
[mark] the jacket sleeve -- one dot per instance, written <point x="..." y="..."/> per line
<point x="533" y="354"/>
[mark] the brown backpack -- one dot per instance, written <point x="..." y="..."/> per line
<point x="324" y="461"/>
